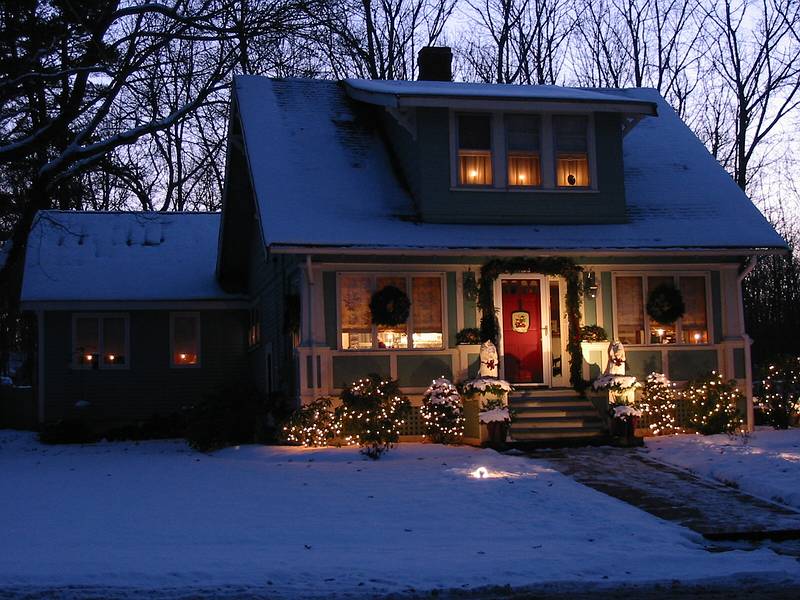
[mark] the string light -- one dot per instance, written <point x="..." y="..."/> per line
<point x="443" y="412"/>
<point x="659" y="404"/>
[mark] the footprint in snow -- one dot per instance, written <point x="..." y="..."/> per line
<point x="307" y="547"/>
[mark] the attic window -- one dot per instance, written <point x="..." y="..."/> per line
<point x="571" y="149"/>
<point x="522" y="150"/>
<point x="474" y="150"/>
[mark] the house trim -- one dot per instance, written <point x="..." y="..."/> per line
<point x="110" y="305"/>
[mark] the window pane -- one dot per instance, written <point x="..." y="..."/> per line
<point x="186" y="340"/>
<point x="524" y="169"/>
<point x="426" y="308"/>
<point x="695" y="322"/>
<point x="114" y="341"/>
<point x="659" y="333"/>
<point x="630" y="310"/>
<point x="474" y="132"/>
<point x="87" y="333"/>
<point x="392" y="337"/>
<point x="356" y="322"/>
<point x="474" y="167"/>
<point x="555" y="328"/>
<point x="571" y="145"/>
<point x="522" y="133"/>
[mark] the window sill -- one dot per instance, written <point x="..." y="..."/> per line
<point x="524" y="190"/>
<point x="682" y="346"/>
<point x="389" y="350"/>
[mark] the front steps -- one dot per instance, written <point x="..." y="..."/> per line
<point x="544" y="416"/>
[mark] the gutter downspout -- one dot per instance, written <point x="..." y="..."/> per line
<point x="312" y="341"/>
<point x="748" y="366"/>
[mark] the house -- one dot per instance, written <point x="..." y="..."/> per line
<point x="336" y="191"/>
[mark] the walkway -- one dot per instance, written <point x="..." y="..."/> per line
<point x="718" y="512"/>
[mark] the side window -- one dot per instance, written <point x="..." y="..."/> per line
<point x="570" y="134"/>
<point x="474" y="150"/>
<point x="100" y="341"/>
<point x="522" y="150"/>
<point x="695" y="320"/>
<point x="254" y="329"/>
<point x="185" y="339"/>
<point x="356" y="322"/>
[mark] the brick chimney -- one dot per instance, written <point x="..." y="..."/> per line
<point x="435" y="63"/>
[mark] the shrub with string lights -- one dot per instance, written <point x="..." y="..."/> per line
<point x="777" y="396"/>
<point x="659" y="402"/>
<point x="714" y="405"/>
<point x="372" y="413"/>
<point x="443" y="412"/>
<point x="314" y="424"/>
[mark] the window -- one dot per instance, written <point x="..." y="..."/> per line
<point x="424" y="328"/>
<point x="185" y="339"/>
<point x="254" y="330"/>
<point x="632" y="320"/>
<point x="100" y="341"/>
<point x="571" y="151"/>
<point x="522" y="150"/>
<point x="474" y="150"/>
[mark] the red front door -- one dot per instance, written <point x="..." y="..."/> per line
<point x="522" y="330"/>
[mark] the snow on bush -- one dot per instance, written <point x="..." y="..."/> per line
<point x="486" y="386"/>
<point x="443" y="412"/>
<point x="615" y="383"/>
<point x="625" y="412"/>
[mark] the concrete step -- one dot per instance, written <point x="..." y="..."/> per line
<point x="549" y="403"/>
<point x="555" y="411"/>
<point x="555" y="434"/>
<point x="555" y="422"/>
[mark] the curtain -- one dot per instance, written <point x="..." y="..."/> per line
<point x="524" y="169"/>
<point x="426" y="304"/>
<point x="694" y="322"/>
<point x="355" y="291"/>
<point x="630" y="310"/>
<point x="474" y="167"/>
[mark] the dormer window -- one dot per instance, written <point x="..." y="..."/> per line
<point x="522" y="150"/>
<point x="474" y="150"/>
<point x="570" y="135"/>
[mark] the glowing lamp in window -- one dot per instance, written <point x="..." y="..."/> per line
<point x="185" y="339"/>
<point x="572" y="171"/>
<point x="523" y="170"/>
<point x="475" y="167"/>
<point x="185" y="358"/>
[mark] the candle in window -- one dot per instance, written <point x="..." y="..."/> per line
<point x="89" y="357"/>
<point x="697" y="337"/>
<point x="473" y="173"/>
<point x="111" y="358"/>
<point x="522" y="178"/>
<point x="182" y="356"/>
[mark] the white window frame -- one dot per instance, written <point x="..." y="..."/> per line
<point x="409" y="323"/>
<point x="100" y="317"/>
<point x="679" y="323"/>
<point x="547" y="158"/>
<point x="195" y="315"/>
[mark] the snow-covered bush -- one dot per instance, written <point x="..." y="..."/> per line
<point x="659" y="402"/>
<point x="314" y="424"/>
<point x="714" y="405"/>
<point x="372" y="413"/>
<point x="486" y="386"/>
<point x="777" y="395"/>
<point x="443" y="412"/>
<point x="625" y="412"/>
<point x="615" y="383"/>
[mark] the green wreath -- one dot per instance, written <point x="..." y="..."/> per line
<point x="665" y="304"/>
<point x="389" y="306"/>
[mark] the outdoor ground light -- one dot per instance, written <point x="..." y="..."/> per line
<point x="480" y="473"/>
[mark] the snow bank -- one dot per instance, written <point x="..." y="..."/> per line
<point x="293" y="522"/>
<point x="767" y="464"/>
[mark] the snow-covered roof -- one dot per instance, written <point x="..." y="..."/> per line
<point x="322" y="176"/>
<point x="397" y="93"/>
<point x="121" y="256"/>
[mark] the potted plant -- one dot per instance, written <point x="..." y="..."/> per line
<point x="495" y="414"/>
<point x="623" y="416"/>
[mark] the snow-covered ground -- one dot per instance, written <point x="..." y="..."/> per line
<point x="300" y="522"/>
<point x="765" y="464"/>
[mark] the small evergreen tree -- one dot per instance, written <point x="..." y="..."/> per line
<point x="314" y="424"/>
<point x="372" y="413"/>
<point x="714" y="405"/>
<point x="443" y="412"/>
<point x="778" y="393"/>
<point x="659" y="402"/>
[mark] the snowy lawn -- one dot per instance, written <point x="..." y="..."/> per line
<point x="765" y="464"/>
<point x="326" y="522"/>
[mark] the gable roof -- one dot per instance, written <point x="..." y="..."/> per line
<point x="322" y="177"/>
<point x="122" y="256"/>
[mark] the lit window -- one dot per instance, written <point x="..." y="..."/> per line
<point x="630" y="310"/>
<point x="422" y="330"/>
<point x="632" y="319"/>
<point x="254" y="330"/>
<point x="100" y="341"/>
<point x="474" y="150"/>
<point x="185" y="339"/>
<point x="426" y="309"/>
<point x="522" y="150"/>
<point x="572" y="158"/>
<point x="694" y="323"/>
<point x="661" y="333"/>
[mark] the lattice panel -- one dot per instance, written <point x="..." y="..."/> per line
<point x="415" y="424"/>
